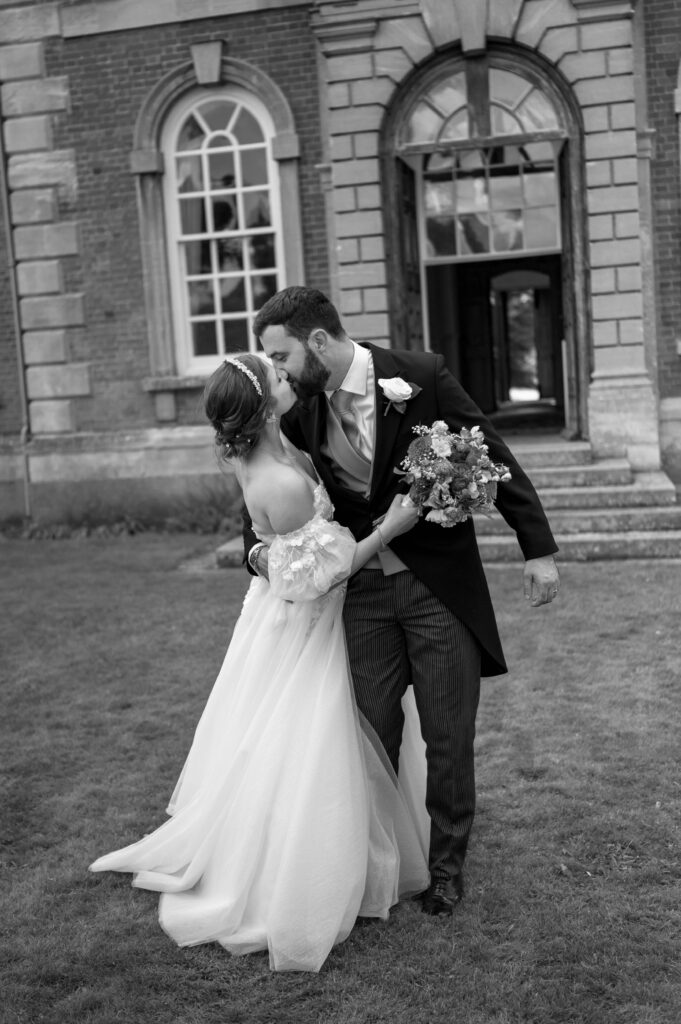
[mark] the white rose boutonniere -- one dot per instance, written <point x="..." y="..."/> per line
<point x="398" y="392"/>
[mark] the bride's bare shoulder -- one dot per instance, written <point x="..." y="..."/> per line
<point x="282" y="495"/>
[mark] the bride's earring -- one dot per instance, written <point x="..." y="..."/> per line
<point x="272" y="418"/>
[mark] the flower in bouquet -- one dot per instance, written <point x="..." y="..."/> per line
<point x="451" y="474"/>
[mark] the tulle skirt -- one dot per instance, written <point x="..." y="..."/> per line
<point x="287" y="822"/>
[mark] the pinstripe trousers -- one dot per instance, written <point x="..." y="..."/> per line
<point x="398" y="633"/>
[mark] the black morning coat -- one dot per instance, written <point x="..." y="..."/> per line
<point x="445" y="558"/>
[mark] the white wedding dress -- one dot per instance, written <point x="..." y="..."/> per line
<point x="287" y="822"/>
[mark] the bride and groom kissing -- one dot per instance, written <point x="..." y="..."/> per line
<point x="345" y="708"/>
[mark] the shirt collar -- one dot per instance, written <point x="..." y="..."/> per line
<point x="356" y="379"/>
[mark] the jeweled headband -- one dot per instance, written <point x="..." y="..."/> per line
<point x="249" y="373"/>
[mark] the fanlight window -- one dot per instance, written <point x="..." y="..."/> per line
<point x="442" y="115"/>
<point x="223" y="225"/>
<point x="487" y="148"/>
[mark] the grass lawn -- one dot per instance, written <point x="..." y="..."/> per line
<point x="573" y="909"/>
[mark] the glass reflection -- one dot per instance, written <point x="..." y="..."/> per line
<point x="189" y="176"/>
<point x="191" y="135"/>
<point x="540" y="187"/>
<point x="264" y="288"/>
<point x="262" y="251"/>
<point x="505" y="190"/>
<point x="457" y="128"/>
<point x="235" y="335"/>
<point x="541" y="228"/>
<point x="221" y="170"/>
<point x="225" y="213"/>
<point x="197" y="256"/>
<point x="232" y="294"/>
<point x="204" y="338"/>
<point x="201" y="298"/>
<point x="257" y="209"/>
<point x="424" y="124"/>
<point x="247" y="129"/>
<point x="216" y="114"/>
<point x="507" y="230"/>
<point x="474" y="233"/>
<point x="254" y="167"/>
<point x="230" y="253"/>
<point x="192" y="216"/>
<point x="440" y="236"/>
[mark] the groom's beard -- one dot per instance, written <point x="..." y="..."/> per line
<point x="313" y="376"/>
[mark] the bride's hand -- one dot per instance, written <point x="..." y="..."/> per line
<point x="398" y="519"/>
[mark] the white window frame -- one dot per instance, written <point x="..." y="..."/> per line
<point x="187" y="363"/>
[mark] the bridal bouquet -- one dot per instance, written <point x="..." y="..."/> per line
<point x="451" y="474"/>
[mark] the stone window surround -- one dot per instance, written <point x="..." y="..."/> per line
<point x="578" y="350"/>
<point x="147" y="163"/>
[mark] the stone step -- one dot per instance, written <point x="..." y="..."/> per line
<point x="604" y="473"/>
<point x="551" y="452"/>
<point x="646" y="489"/>
<point x="594" y="520"/>
<point x="587" y="547"/>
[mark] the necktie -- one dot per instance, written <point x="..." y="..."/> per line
<point x="342" y="404"/>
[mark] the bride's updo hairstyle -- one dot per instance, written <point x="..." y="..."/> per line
<point x="237" y="399"/>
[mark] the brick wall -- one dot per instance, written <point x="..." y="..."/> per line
<point x="663" y="30"/>
<point x="10" y="412"/>
<point x="109" y="77"/>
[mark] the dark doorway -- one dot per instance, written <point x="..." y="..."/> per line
<point x="498" y="324"/>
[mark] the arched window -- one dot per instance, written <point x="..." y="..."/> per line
<point x="486" y="147"/>
<point x="223" y="222"/>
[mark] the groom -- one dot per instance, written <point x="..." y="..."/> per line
<point x="420" y="612"/>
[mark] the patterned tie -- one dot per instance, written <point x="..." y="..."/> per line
<point x="342" y="403"/>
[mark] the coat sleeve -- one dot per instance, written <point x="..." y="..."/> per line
<point x="517" y="500"/>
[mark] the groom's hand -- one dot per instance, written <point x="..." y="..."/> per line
<point x="258" y="559"/>
<point x="540" y="580"/>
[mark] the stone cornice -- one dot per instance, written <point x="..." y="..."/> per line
<point x="604" y="10"/>
<point x="122" y="15"/>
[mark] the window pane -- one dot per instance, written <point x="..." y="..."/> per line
<point x="254" y="167"/>
<point x="538" y="152"/>
<point x="505" y="190"/>
<point x="247" y="129"/>
<point x="507" y="231"/>
<point x="504" y="123"/>
<point x="236" y="335"/>
<point x="216" y="114"/>
<point x="191" y="135"/>
<point x="450" y="95"/>
<point x="262" y="251"/>
<point x="507" y="86"/>
<point x="232" y="294"/>
<point x="219" y="141"/>
<point x="456" y="127"/>
<point x="540" y="187"/>
<point x="470" y="160"/>
<point x="441" y="237"/>
<point x="424" y="124"/>
<point x="201" y="301"/>
<point x="192" y="216"/>
<point x="438" y="162"/>
<point x="257" y="209"/>
<point x="221" y="170"/>
<point x="197" y="257"/>
<point x="225" y="213"/>
<point x="537" y="112"/>
<point x="438" y="197"/>
<point x="264" y="288"/>
<point x="189" y="175"/>
<point x="230" y="255"/>
<point x="474" y="233"/>
<point x="471" y="194"/>
<point x="204" y="338"/>
<point x="541" y="228"/>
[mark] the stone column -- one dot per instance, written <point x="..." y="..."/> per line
<point x="40" y="178"/>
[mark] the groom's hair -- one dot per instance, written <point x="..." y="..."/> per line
<point x="300" y="310"/>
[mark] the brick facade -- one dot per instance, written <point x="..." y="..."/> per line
<point x="662" y="34"/>
<point x="99" y="130"/>
<point x="75" y="75"/>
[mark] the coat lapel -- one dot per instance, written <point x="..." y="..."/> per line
<point x="387" y="424"/>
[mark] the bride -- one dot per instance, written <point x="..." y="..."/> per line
<point x="287" y="822"/>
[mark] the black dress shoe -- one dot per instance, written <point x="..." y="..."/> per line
<point x="442" y="895"/>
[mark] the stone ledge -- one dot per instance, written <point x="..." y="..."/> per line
<point x="120" y="15"/>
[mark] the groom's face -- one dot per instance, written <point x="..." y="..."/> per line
<point x="298" y="361"/>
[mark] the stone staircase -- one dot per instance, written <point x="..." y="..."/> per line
<point x="598" y="509"/>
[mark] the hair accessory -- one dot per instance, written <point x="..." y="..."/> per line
<point x="249" y="373"/>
